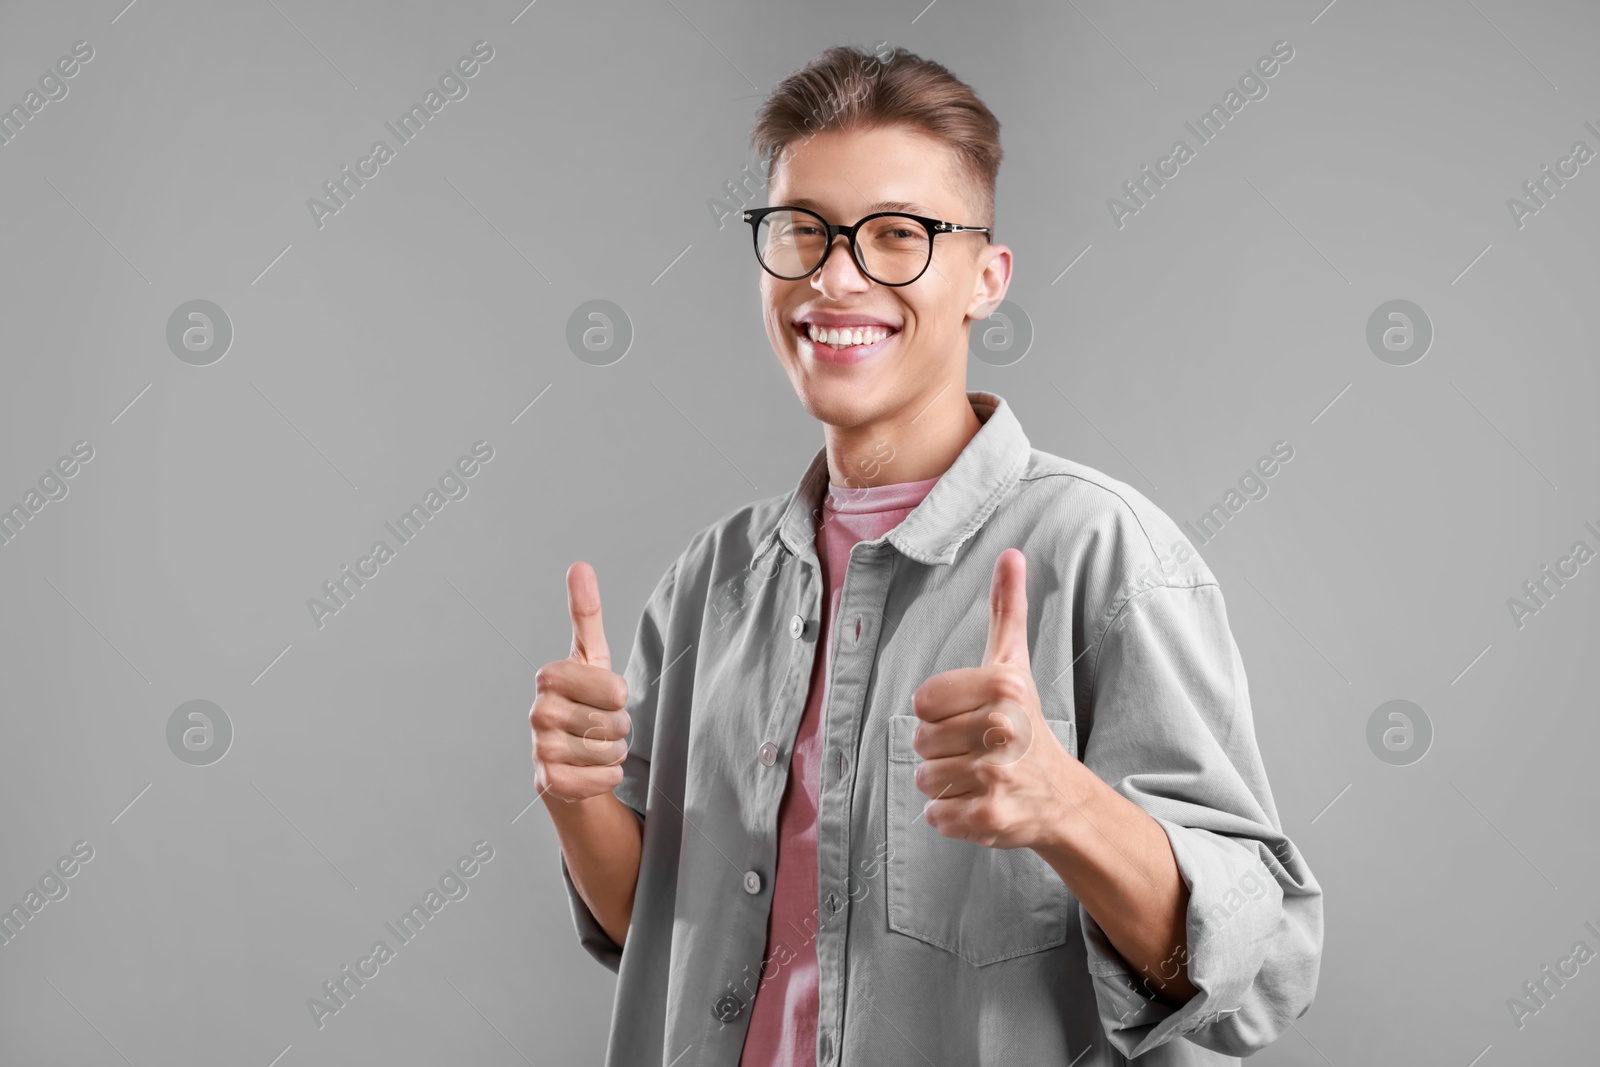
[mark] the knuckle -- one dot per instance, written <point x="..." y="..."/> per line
<point x="1009" y="685"/>
<point x="546" y="676"/>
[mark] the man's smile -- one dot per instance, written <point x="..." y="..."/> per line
<point x="843" y="337"/>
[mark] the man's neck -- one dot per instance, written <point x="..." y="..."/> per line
<point x="913" y="445"/>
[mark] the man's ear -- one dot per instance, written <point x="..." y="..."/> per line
<point x="994" y="278"/>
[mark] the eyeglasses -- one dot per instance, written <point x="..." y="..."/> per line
<point x="891" y="248"/>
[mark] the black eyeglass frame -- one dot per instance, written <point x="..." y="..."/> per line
<point x="934" y="227"/>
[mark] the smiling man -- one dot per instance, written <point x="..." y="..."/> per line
<point x="947" y="754"/>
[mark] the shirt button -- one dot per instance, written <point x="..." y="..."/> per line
<point x="797" y="626"/>
<point x="752" y="882"/>
<point x="728" y="1008"/>
<point x="769" y="754"/>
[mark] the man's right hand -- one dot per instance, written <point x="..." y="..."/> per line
<point x="579" y="717"/>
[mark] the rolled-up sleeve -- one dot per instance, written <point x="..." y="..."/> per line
<point x="1170" y="728"/>
<point x="643" y="675"/>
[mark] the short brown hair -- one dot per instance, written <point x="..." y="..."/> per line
<point x="847" y="88"/>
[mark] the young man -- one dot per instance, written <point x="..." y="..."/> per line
<point x="945" y="756"/>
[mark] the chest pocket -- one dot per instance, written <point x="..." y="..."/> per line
<point x="983" y="904"/>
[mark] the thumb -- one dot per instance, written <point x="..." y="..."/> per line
<point x="1008" y="611"/>
<point x="583" y="601"/>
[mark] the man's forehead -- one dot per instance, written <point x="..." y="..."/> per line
<point x="913" y="207"/>
<point x="875" y="176"/>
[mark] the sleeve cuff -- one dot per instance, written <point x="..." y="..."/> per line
<point x="1235" y="905"/>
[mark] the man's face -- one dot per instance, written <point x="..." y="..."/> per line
<point x="842" y="176"/>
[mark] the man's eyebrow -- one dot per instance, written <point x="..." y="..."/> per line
<point x="882" y="205"/>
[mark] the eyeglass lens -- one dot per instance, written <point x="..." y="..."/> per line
<point x="894" y="249"/>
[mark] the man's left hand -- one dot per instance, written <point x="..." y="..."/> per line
<point x="991" y="765"/>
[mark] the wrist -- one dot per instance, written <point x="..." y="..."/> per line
<point x="1071" y="799"/>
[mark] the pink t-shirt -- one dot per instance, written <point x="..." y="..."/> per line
<point x="783" y="1020"/>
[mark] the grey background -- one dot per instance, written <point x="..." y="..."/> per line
<point x="368" y="355"/>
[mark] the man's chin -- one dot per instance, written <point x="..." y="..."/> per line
<point x="843" y="404"/>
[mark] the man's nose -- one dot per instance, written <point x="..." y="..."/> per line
<point x="840" y="274"/>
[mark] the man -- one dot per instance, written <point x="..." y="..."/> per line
<point x="947" y="755"/>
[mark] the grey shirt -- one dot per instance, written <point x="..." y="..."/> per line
<point x="932" y="949"/>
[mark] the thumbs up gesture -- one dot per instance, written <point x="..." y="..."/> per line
<point x="989" y="760"/>
<point x="579" y="717"/>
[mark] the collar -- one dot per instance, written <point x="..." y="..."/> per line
<point x="960" y="502"/>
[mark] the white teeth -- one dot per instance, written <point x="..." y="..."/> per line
<point x="846" y="337"/>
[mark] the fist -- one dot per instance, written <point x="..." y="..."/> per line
<point x="989" y="760"/>
<point x="579" y="717"/>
